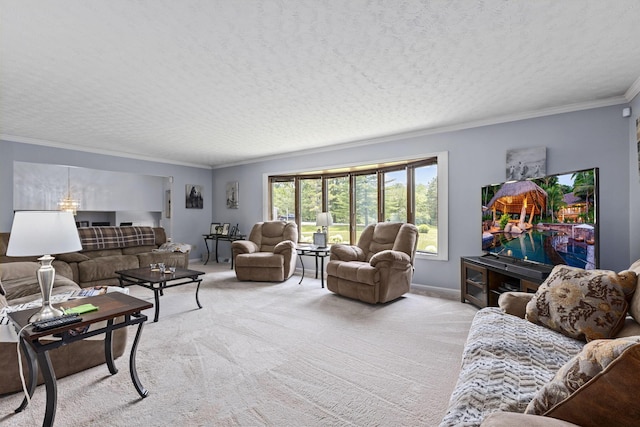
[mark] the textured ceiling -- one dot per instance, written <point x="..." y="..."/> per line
<point x="216" y="82"/>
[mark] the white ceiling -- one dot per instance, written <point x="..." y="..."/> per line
<point x="215" y="82"/>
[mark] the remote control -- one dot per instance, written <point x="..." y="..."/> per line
<point x="56" y="322"/>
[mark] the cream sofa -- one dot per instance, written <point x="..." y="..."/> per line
<point x="511" y="365"/>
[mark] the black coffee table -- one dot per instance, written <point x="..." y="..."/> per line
<point x="158" y="281"/>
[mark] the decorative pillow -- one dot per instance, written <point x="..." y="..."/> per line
<point x="582" y="304"/>
<point x="634" y="305"/>
<point x="597" y="387"/>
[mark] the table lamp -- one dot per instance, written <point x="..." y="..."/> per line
<point x="324" y="220"/>
<point x="35" y="233"/>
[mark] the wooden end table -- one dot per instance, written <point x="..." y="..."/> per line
<point x="110" y="307"/>
<point x="158" y="281"/>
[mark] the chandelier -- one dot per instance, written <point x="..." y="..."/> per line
<point x="68" y="203"/>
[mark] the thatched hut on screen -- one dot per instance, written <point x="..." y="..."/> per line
<point x="520" y="197"/>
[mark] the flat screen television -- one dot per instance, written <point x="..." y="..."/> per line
<point x="551" y="220"/>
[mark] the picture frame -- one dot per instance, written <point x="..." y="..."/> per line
<point x="526" y="163"/>
<point x="232" y="195"/>
<point x="225" y="229"/>
<point x="214" y="228"/>
<point x="234" y="230"/>
<point x="193" y="197"/>
<point x="320" y="240"/>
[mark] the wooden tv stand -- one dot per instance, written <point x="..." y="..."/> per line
<point x="484" y="278"/>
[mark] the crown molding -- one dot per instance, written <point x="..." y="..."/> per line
<point x="607" y="102"/>
<point x="47" y="143"/>
<point x="633" y="90"/>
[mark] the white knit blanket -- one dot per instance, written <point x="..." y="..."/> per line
<point x="506" y="360"/>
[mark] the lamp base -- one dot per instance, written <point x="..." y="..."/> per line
<point x="46" y="275"/>
<point x="46" y="312"/>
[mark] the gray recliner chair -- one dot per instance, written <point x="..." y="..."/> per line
<point x="379" y="268"/>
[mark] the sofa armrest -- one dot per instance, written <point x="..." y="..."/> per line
<point x="341" y="252"/>
<point x="514" y="303"/>
<point x="391" y="256"/>
<point x="244" y="247"/>
<point x="510" y="419"/>
<point x="284" y="246"/>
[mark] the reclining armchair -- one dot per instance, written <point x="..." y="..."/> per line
<point x="379" y="268"/>
<point x="269" y="255"/>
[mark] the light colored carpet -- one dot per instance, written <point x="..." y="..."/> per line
<point x="277" y="354"/>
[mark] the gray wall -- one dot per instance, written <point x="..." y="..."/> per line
<point x="188" y="225"/>
<point x="591" y="138"/>
<point x="634" y="182"/>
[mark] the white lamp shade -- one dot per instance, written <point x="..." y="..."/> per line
<point x="324" y="219"/>
<point x="37" y="233"/>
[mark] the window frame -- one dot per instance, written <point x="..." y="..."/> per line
<point x="352" y="170"/>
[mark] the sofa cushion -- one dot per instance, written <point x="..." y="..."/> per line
<point x="582" y="304"/>
<point x="115" y="237"/>
<point x="260" y="259"/>
<point x="354" y="271"/>
<point x="20" y="282"/>
<point x="105" y="267"/>
<point x="506" y="360"/>
<point x="599" y="386"/>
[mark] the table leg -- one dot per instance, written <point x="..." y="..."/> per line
<point x="156" y="295"/>
<point x="302" y="264"/>
<point x="143" y="392"/>
<point x="216" y="249"/>
<point x="316" y="257"/>
<point x="322" y="271"/>
<point x="50" y="386"/>
<point x="197" y="290"/>
<point x="206" y="246"/>
<point x="33" y="373"/>
<point x="108" y="349"/>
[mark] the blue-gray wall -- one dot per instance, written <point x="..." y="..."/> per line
<point x="634" y="181"/>
<point x="188" y="225"/>
<point x="591" y="138"/>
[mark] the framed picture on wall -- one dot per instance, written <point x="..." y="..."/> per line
<point x="232" y="195"/>
<point x="526" y="163"/>
<point x="194" y="197"/>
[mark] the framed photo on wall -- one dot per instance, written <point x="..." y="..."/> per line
<point x="526" y="163"/>
<point x="194" y="197"/>
<point x="232" y="195"/>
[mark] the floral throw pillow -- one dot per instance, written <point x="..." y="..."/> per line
<point x="603" y="368"/>
<point x="582" y="304"/>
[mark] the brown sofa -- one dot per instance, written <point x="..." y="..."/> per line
<point x="19" y="282"/>
<point x="269" y="254"/>
<point x="379" y="268"/>
<point x="106" y="250"/>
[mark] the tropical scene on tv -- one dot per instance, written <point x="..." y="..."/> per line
<point x="549" y="220"/>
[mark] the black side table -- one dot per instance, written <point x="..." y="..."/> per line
<point x="316" y="252"/>
<point x="218" y="237"/>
